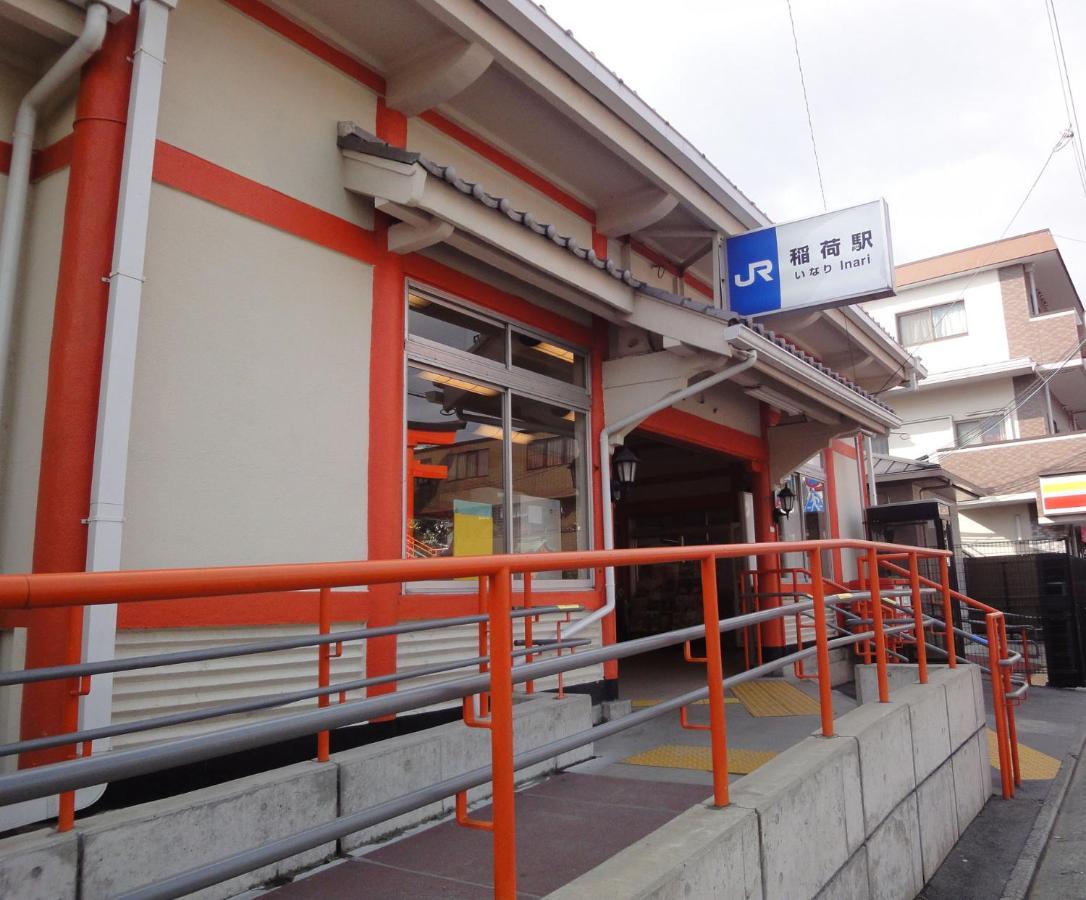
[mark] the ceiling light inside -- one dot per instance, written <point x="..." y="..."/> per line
<point x="459" y="383"/>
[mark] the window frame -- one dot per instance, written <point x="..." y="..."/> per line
<point x="508" y="380"/>
<point x="977" y="420"/>
<point x="930" y="310"/>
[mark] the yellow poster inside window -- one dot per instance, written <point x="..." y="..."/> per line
<point x="473" y="528"/>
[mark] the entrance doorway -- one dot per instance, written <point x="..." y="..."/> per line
<point x="684" y="496"/>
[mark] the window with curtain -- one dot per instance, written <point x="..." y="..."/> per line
<point x="497" y="438"/>
<point x="933" y="323"/>
<point x="968" y="432"/>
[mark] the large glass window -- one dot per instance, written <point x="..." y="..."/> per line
<point x="497" y="438"/>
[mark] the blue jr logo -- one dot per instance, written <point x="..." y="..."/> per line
<point x="763" y="268"/>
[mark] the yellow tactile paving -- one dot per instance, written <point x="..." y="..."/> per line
<point x="681" y="756"/>
<point x="1033" y="764"/>
<point x="772" y="697"/>
<point x="644" y="704"/>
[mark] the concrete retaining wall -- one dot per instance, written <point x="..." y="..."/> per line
<point x="116" y="851"/>
<point x="868" y="813"/>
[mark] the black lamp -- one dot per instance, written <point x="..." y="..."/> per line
<point x="623" y="471"/>
<point x="787" y="498"/>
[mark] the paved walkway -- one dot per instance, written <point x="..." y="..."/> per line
<point x="566" y="826"/>
<point x="982" y="861"/>
<point x="591" y="811"/>
<point x="1062" y="873"/>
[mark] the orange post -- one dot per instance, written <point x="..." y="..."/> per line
<point x="1025" y="655"/>
<point x="999" y="704"/>
<point x="918" y="619"/>
<point x="529" y="686"/>
<point x="714" y="676"/>
<point x="948" y="612"/>
<point x="501" y="739"/>
<point x="1012" y="728"/>
<point x="876" y="618"/>
<point x="484" y="641"/>
<point x="70" y="718"/>
<point x="825" y="695"/>
<point x="324" y="666"/>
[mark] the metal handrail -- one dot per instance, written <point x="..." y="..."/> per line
<point x="229" y="651"/>
<point x="498" y="675"/>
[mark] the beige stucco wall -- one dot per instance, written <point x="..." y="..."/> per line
<point x="986" y="340"/>
<point x="1010" y="522"/>
<point x="850" y="510"/>
<point x="247" y="99"/>
<point x="727" y="405"/>
<point x="20" y="447"/>
<point x="928" y="416"/>
<point x="250" y="416"/>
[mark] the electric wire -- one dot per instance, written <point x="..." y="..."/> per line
<point x="1019" y="400"/>
<point x="1064" y="139"/>
<point x="807" y="105"/>
<point x="1066" y="89"/>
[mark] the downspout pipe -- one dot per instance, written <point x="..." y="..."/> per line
<point x="22" y="149"/>
<point x="106" y="520"/>
<point x="620" y="428"/>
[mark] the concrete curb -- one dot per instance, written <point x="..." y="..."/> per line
<point x="1024" y="871"/>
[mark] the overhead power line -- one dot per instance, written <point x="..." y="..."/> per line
<point x="1066" y="90"/>
<point x="807" y="105"/>
<point x="1020" y="400"/>
<point x="1062" y="142"/>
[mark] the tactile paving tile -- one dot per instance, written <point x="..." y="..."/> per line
<point x="1033" y="764"/>
<point x="643" y="704"/>
<point x="683" y="756"/>
<point x="772" y="697"/>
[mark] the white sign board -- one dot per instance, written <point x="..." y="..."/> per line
<point x="826" y="260"/>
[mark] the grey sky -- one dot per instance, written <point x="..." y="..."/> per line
<point x="947" y="108"/>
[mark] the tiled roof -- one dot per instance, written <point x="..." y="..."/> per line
<point x="360" y="141"/>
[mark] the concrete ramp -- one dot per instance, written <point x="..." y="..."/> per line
<point x="566" y="826"/>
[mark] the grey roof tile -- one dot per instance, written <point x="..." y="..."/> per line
<point x="360" y="141"/>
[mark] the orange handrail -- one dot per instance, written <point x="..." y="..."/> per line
<point x="495" y="575"/>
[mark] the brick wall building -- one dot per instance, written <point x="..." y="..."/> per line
<point x="999" y="328"/>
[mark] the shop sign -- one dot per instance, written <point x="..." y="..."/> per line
<point x="1063" y="495"/>
<point x="828" y="260"/>
<point x="815" y="500"/>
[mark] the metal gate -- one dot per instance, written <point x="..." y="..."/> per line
<point x="1042" y="594"/>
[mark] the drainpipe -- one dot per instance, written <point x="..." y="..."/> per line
<point x="106" y="520"/>
<point x="620" y="428"/>
<point x="22" y="148"/>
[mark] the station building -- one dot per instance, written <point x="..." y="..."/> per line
<point x="307" y="282"/>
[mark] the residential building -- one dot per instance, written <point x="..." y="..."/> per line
<point x="999" y="328"/>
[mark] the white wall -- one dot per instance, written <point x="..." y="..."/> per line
<point x="20" y="449"/>
<point x="20" y="441"/>
<point x="928" y="415"/>
<point x="986" y="341"/>
<point x="995" y="523"/>
<point x="245" y="98"/>
<point x="250" y="419"/>
<point x="850" y="507"/>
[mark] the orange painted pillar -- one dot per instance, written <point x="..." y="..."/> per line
<point x="832" y="514"/>
<point x="75" y="367"/>
<point x="385" y="527"/>
<point x="765" y="531"/>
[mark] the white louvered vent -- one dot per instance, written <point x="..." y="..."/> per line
<point x="450" y="644"/>
<point x="145" y="693"/>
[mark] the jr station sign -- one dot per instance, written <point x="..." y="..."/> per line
<point x="829" y="260"/>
